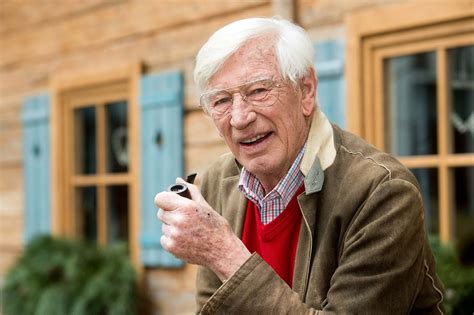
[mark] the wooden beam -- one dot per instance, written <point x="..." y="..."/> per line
<point x="143" y="18"/>
<point x="285" y="9"/>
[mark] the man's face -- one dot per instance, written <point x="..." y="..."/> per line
<point x="265" y="140"/>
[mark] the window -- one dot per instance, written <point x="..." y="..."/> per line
<point x="95" y="152"/>
<point x="411" y="93"/>
<point x="99" y="177"/>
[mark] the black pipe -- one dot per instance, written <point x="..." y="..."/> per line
<point x="182" y="189"/>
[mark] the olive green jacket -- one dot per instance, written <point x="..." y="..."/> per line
<point x="362" y="246"/>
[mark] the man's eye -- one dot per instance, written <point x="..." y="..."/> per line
<point x="260" y="91"/>
<point x="221" y="101"/>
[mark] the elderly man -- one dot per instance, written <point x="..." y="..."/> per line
<point x="302" y="216"/>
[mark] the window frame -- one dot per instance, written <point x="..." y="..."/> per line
<point x="79" y="90"/>
<point x="376" y="34"/>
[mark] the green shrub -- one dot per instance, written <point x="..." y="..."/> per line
<point x="457" y="278"/>
<point x="57" y="277"/>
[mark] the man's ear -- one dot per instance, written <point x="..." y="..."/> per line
<point x="309" y="85"/>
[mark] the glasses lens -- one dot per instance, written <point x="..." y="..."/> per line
<point x="219" y="101"/>
<point x="258" y="93"/>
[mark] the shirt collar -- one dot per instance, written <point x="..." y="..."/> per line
<point x="317" y="154"/>
<point x="252" y="188"/>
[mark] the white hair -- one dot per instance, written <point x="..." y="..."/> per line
<point x="294" y="48"/>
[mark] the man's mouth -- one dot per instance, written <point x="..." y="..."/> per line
<point x="256" y="139"/>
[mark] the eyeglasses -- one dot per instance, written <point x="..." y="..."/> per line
<point x="259" y="93"/>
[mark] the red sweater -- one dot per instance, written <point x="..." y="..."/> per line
<point x="275" y="242"/>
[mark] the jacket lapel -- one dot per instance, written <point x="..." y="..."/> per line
<point x="308" y="205"/>
<point x="234" y="204"/>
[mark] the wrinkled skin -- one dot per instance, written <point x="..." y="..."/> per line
<point x="194" y="232"/>
<point x="286" y="123"/>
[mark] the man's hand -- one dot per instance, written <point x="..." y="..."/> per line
<point x="194" y="232"/>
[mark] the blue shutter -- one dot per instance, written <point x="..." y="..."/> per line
<point x="161" y="122"/>
<point x="329" y="63"/>
<point x="35" y="117"/>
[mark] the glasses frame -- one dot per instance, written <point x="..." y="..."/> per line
<point x="237" y="89"/>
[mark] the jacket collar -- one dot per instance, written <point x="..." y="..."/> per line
<point x="319" y="154"/>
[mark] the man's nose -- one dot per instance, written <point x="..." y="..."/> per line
<point x="242" y="113"/>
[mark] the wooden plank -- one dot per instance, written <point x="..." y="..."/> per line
<point x="68" y="197"/>
<point x="459" y="160"/>
<point x="8" y="256"/>
<point x="199" y="129"/>
<point x="134" y="166"/>
<point x="11" y="202"/>
<point x="312" y="13"/>
<point x="367" y="85"/>
<point x="380" y="19"/>
<point x="354" y="73"/>
<point x="138" y="17"/>
<point x="101" y="215"/>
<point x="199" y="158"/>
<point x="15" y="83"/>
<point x="57" y="146"/>
<point x="11" y="138"/>
<point x="11" y="229"/>
<point x="445" y="180"/>
<point x="457" y="40"/>
<point x="425" y="161"/>
<point x="158" y="52"/>
<point x="101" y="179"/>
<point x="171" y="291"/>
<point x="191" y="95"/>
<point x="161" y="116"/>
<point x="11" y="178"/>
<point x="12" y="100"/>
<point x="10" y="117"/>
<point x="425" y="32"/>
<point x="378" y="99"/>
<point x="101" y="142"/>
<point x="20" y="14"/>
<point x="286" y="9"/>
<point x="11" y="146"/>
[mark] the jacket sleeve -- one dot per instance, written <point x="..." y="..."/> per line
<point x="255" y="289"/>
<point x="381" y="265"/>
<point x="206" y="284"/>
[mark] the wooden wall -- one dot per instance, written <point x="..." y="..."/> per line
<point x="40" y="40"/>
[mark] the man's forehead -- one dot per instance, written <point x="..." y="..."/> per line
<point x="252" y="61"/>
<point x="262" y="45"/>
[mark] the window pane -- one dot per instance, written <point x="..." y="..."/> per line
<point x="86" y="212"/>
<point x="117" y="213"/>
<point x="461" y="66"/>
<point x="464" y="199"/>
<point x="410" y="104"/>
<point x="117" y="142"/>
<point x="428" y="180"/>
<point x="85" y="140"/>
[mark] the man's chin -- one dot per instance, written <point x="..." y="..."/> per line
<point x="260" y="167"/>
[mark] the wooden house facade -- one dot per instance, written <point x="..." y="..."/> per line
<point x="98" y="111"/>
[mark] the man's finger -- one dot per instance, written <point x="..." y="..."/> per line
<point x="166" y="229"/>
<point x="170" y="201"/>
<point x="160" y="215"/>
<point x="166" y="242"/>
<point x="166" y="217"/>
